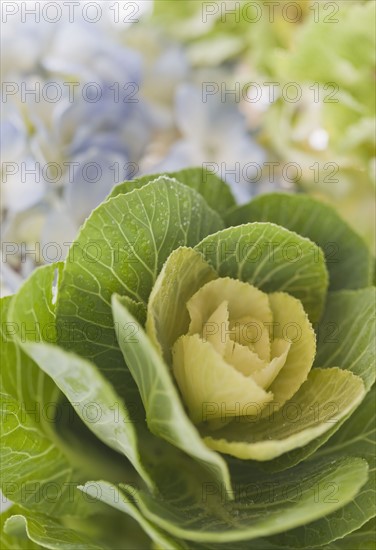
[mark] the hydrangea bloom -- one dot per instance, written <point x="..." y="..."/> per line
<point x="212" y="134"/>
<point x="114" y="119"/>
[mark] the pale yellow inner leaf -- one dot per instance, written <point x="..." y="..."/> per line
<point x="243" y="300"/>
<point x="216" y="329"/>
<point x="212" y="389"/>
<point x="291" y="322"/>
<point x="266" y="376"/>
<point x="243" y="359"/>
<point x="252" y="332"/>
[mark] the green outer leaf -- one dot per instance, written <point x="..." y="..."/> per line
<point x="34" y="459"/>
<point x="29" y="316"/>
<point x="259" y="253"/>
<point x="34" y="464"/>
<point x="190" y="507"/>
<point x="294" y="457"/>
<point x="47" y="532"/>
<point x="32" y="308"/>
<point x="138" y="309"/>
<point x="336" y="392"/>
<point x="113" y="496"/>
<point x="165" y="414"/>
<point x="121" y="248"/>
<point x="346" y="333"/>
<point x="11" y="542"/>
<point x="347" y="256"/>
<point x="129" y="185"/>
<point x="214" y="190"/>
<point x="109" y="420"/>
<point x="356" y="438"/>
<point x="362" y="539"/>
<point x="184" y="272"/>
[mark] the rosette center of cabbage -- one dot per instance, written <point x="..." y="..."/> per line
<point x="245" y="354"/>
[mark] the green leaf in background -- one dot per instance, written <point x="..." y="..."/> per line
<point x="215" y="191"/>
<point x="165" y="414"/>
<point x="346" y="333"/>
<point x="193" y="508"/>
<point x="356" y="438"/>
<point x="348" y="259"/>
<point x="121" y="249"/>
<point x="336" y="392"/>
<point x="317" y="57"/>
<point x="97" y="404"/>
<point x="271" y="258"/>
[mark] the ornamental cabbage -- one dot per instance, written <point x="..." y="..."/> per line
<point x="196" y="375"/>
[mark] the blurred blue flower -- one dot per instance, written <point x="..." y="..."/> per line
<point x="111" y="102"/>
<point x="213" y="134"/>
<point x="84" y="129"/>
